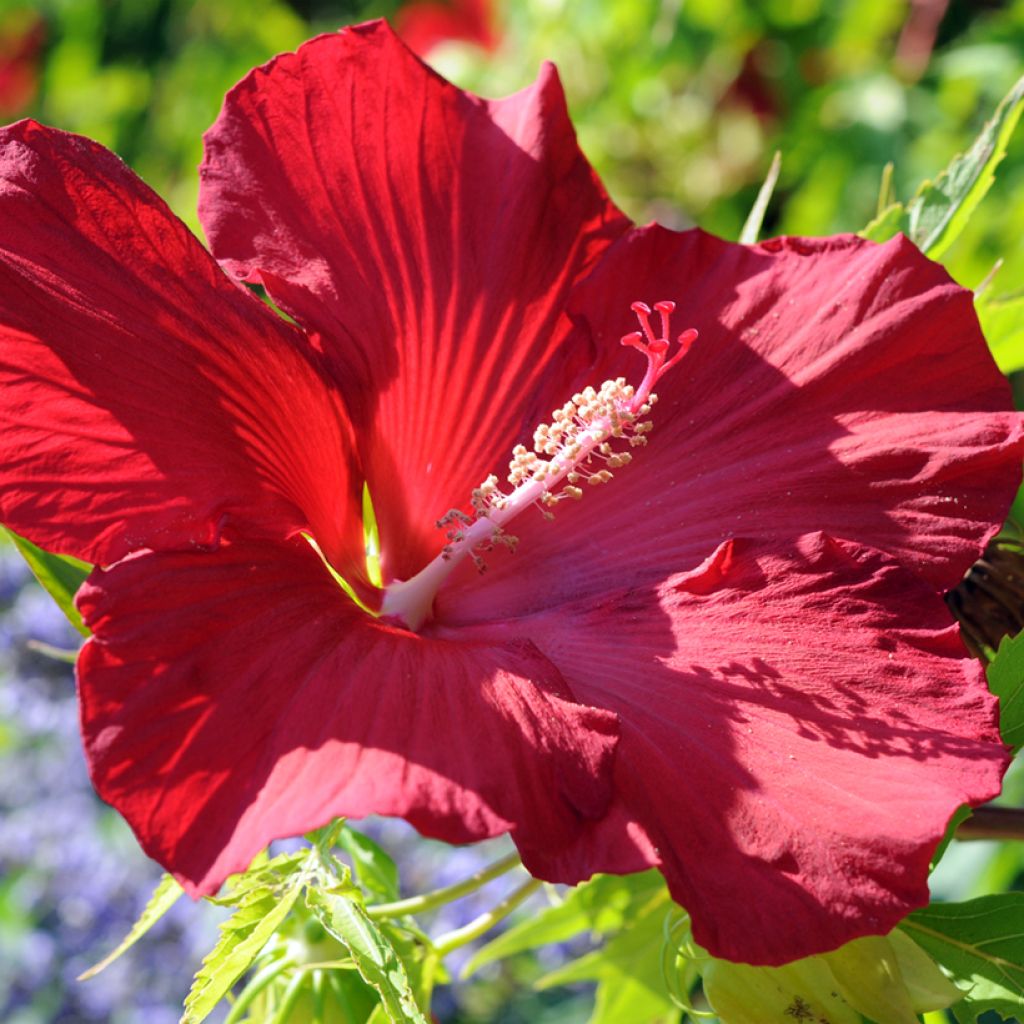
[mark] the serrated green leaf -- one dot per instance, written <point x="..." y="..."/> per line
<point x="243" y="935"/>
<point x="890" y="221"/>
<point x="1006" y="681"/>
<point x="164" y="897"/>
<point x="1002" y="321"/>
<point x="373" y="867"/>
<point x="262" y="874"/>
<point x="600" y="906"/>
<point x="752" y="225"/>
<point x="941" y="209"/>
<point x="374" y="956"/>
<point x="981" y="944"/>
<point x="628" y="969"/>
<point x="60" y="575"/>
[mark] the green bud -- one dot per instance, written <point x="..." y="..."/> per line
<point x="928" y="987"/>
<point x="803" y="991"/>
<point x="888" y="979"/>
<point x="869" y="979"/>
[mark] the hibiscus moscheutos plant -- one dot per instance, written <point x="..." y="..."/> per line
<point x="710" y="635"/>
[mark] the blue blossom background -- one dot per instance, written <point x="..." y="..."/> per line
<point x="73" y="880"/>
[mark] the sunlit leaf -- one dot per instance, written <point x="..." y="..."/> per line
<point x="374" y="956"/>
<point x="981" y="944"/>
<point x="1006" y="680"/>
<point x="243" y="935"/>
<point x="631" y="983"/>
<point x="60" y="575"/>
<point x="940" y="209"/>
<point x="890" y="221"/>
<point x="164" y="897"/>
<point x="262" y="874"/>
<point x="598" y="907"/>
<point x="1002" y="320"/>
<point x="373" y="867"/>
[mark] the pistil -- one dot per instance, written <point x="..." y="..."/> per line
<point x="589" y="429"/>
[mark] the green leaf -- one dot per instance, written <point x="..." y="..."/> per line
<point x="941" y="209"/>
<point x="1002" y="320"/>
<point x="374" y="869"/>
<point x="600" y="906"/>
<point x="981" y="944"/>
<point x="374" y="956"/>
<point x="261" y="875"/>
<point x="752" y="225"/>
<point x="960" y="815"/>
<point x="60" y="575"/>
<point x="890" y="221"/>
<point x="1006" y="681"/>
<point x="259" y="914"/>
<point x="164" y="897"/>
<point x="629" y="971"/>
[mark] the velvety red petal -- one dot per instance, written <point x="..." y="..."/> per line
<point x="836" y="384"/>
<point x="797" y="728"/>
<point x="145" y="399"/>
<point x="429" y="239"/>
<point x="232" y="697"/>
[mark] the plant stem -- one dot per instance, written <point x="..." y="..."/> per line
<point x="50" y="651"/>
<point x="460" y="936"/>
<point x="993" y="823"/>
<point x="450" y="893"/>
<point x="263" y="978"/>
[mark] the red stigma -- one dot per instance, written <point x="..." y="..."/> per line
<point x="656" y="348"/>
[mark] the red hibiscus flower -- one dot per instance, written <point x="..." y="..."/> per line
<point x="731" y="661"/>
<point x="424" y="24"/>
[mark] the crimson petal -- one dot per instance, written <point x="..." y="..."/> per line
<point x="836" y="385"/>
<point x="147" y="400"/>
<point x="233" y="697"/>
<point x="429" y="239"/>
<point x="797" y="728"/>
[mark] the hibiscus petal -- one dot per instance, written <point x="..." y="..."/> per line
<point x="147" y="400"/>
<point x="836" y="384"/>
<point x="797" y="728"/>
<point x="428" y="237"/>
<point x="233" y="697"/>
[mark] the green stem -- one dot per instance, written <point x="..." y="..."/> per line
<point x="289" y="999"/>
<point x="460" y="936"/>
<point x="993" y="823"/>
<point x="49" y="651"/>
<point x="260" y="981"/>
<point x="450" y="893"/>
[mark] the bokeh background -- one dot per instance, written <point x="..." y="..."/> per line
<point x="680" y="105"/>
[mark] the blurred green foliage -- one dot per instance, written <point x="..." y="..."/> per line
<point x="679" y="105"/>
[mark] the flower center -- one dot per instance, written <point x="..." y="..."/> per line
<point x="586" y="440"/>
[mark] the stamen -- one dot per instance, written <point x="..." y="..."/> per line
<point x="582" y="430"/>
